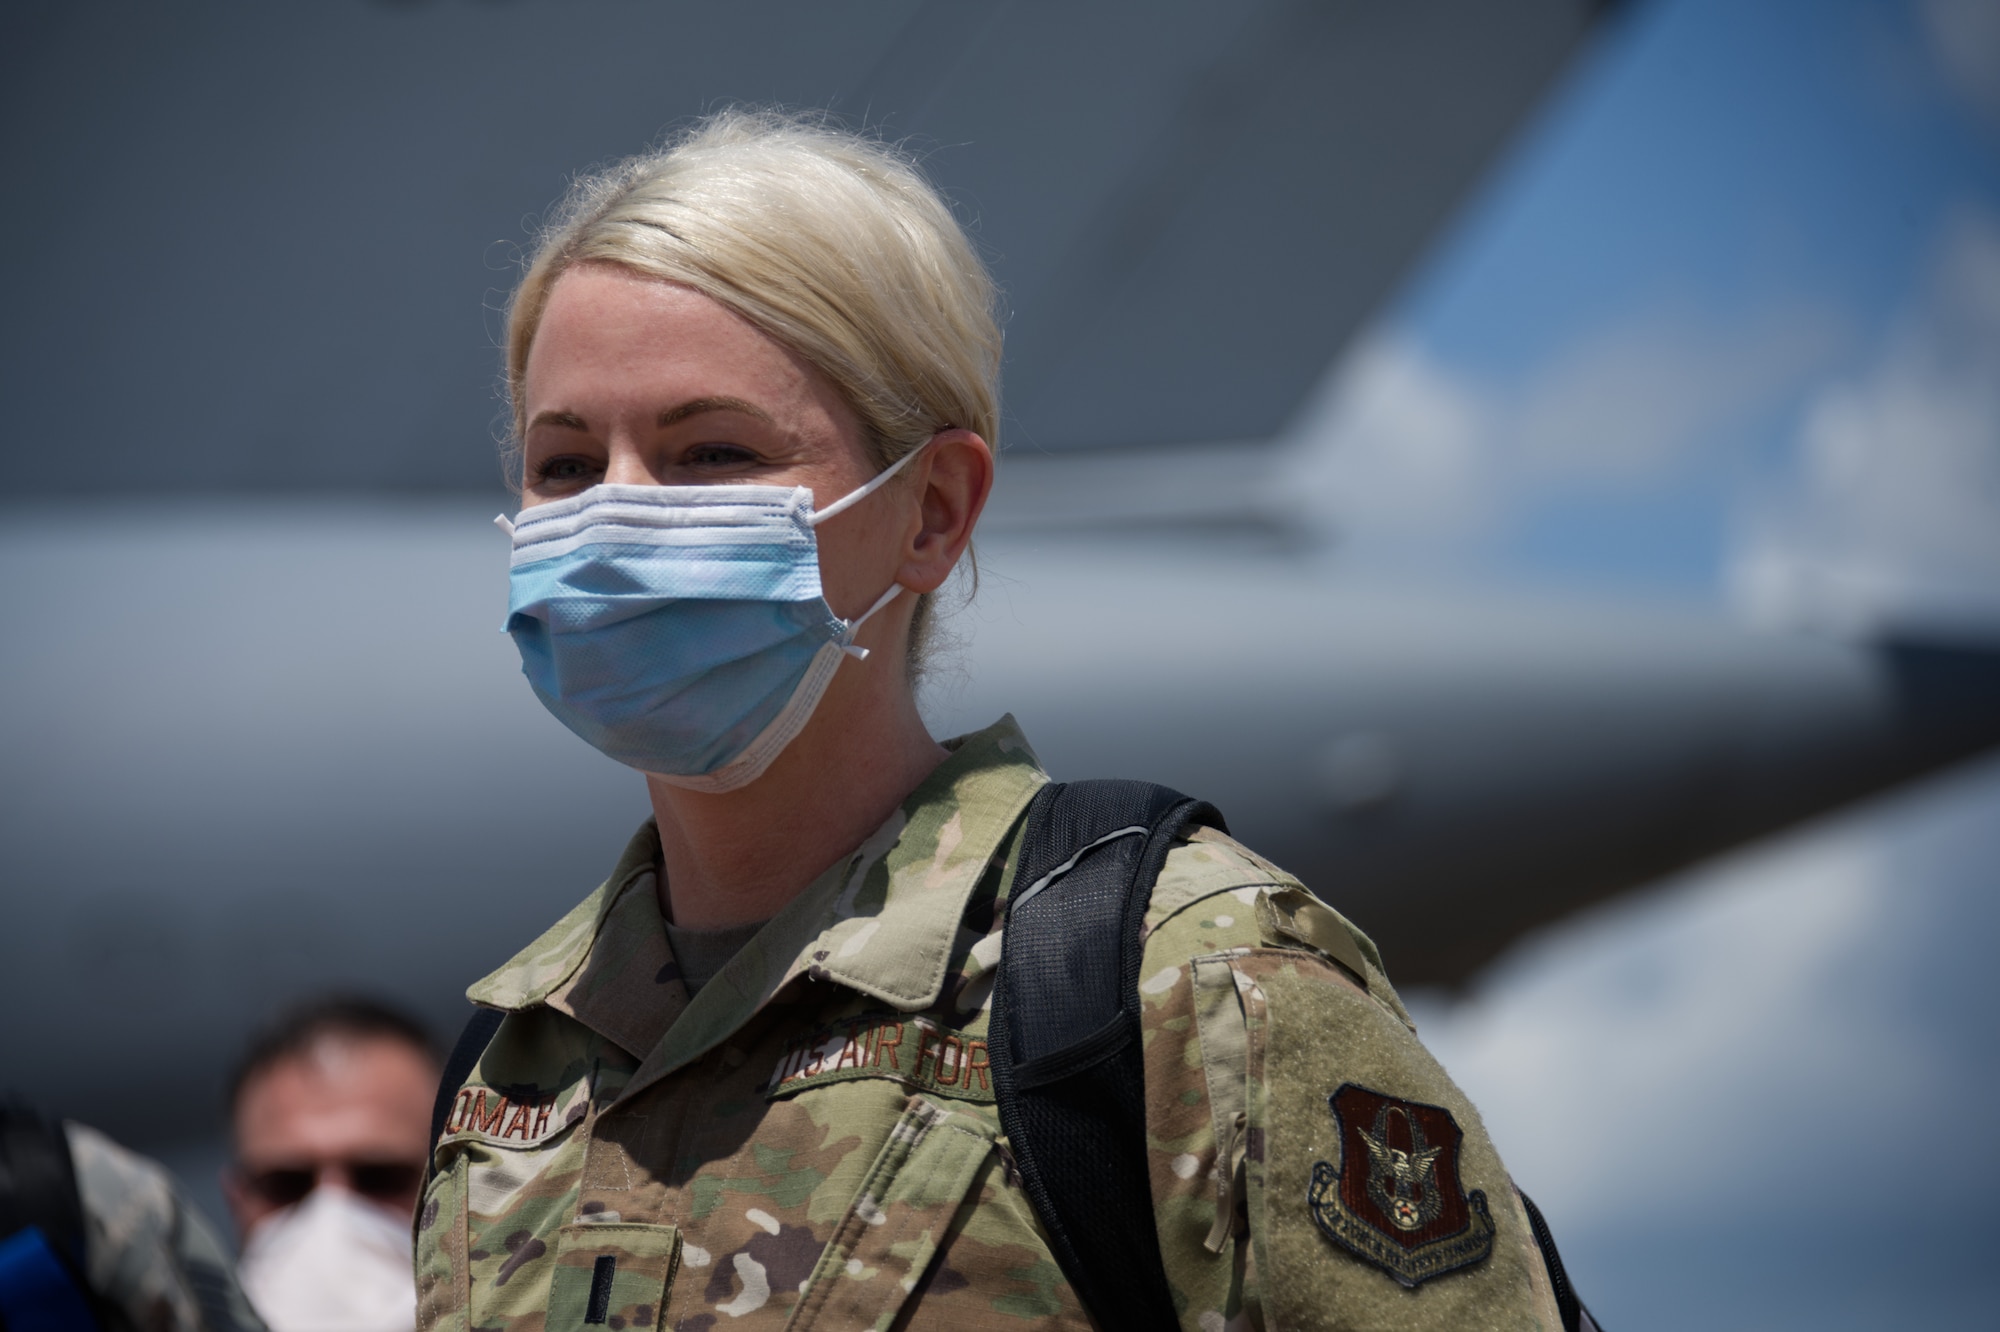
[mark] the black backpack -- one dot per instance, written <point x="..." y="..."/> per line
<point x="1064" y="1037"/>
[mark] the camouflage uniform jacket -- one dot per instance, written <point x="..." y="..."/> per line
<point x="151" y="1259"/>
<point x="812" y="1140"/>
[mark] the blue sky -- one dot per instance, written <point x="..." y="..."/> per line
<point x="1726" y="328"/>
<point x="1628" y="363"/>
<point x="1731" y="155"/>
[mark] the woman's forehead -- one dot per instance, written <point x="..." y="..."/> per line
<point x="609" y="332"/>
<point x="601" y="310"/>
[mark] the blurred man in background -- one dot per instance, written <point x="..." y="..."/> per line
<point x="330" y="1118"/>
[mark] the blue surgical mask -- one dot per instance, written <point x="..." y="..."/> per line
<point x="681" y="630"/>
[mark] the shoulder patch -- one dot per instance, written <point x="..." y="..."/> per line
<point x="911" y="1050"/>
<point x="1396" y="1200"/>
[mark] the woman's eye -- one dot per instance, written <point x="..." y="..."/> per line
<point x="718" y="456"/>
<point x="561" y="470"/>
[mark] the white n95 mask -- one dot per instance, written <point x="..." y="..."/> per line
<point x="331" y="1263"/>
<point x="681" y="630"/>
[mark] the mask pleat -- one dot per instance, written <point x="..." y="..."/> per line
<point x="671" y="627"/>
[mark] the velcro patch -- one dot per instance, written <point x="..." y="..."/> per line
<point x="911" y="1050"/>
<point x="1396" y="1200"/>
<point x="1292" y="916"/>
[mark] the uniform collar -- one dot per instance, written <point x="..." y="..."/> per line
<point x="883" y="920"/>
<point x="531" y="975"/>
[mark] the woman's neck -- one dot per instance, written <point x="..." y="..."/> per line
<point x="743" y="855"/>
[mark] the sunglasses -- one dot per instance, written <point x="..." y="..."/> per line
<point x="380" y="1181"/>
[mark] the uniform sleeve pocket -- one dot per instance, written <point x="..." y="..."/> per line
<point x="1373" y="1183"/>
<point x="898" y="1219"/>
<point x="611" y="1275"/>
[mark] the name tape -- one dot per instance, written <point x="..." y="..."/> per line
<point x="506" y="1121"/>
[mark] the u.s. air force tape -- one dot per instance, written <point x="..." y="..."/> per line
<point x="911" y="1050"/>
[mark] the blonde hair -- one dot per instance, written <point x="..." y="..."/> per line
<point x="830" y="242"/>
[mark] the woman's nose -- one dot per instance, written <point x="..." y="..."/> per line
<point x="627" y="466"/>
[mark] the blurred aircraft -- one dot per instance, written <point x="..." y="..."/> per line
<point x="264" y="736"/>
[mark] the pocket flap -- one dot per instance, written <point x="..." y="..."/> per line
<point x="611" y="1274"/>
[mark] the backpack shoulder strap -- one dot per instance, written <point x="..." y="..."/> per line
<point x="1575" y="1317"/>
<point x="472" y="1043"/>
<point x="1068" y="1062"/>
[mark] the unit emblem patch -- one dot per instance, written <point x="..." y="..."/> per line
<point x="1396" y="1200"/>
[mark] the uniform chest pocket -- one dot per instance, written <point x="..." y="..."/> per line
<point x="900" y="1218"/>
<point x="611" y="1275"/>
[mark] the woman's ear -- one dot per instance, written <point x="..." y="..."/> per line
<point x="954" y="477"/>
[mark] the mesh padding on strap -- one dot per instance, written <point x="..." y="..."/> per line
<point x="1069" y="1069"/>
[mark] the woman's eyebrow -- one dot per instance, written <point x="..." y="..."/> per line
<point x="567" y="420"/>
<point x="699" y="406"/>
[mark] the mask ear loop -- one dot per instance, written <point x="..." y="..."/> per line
<point x="861" y="653"/>
<point x="848" y="501"/>
<point x="855" y="496"/>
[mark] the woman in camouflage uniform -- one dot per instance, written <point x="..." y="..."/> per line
<point x="745" y="1082"/>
